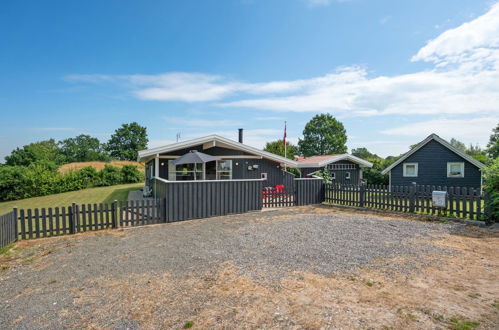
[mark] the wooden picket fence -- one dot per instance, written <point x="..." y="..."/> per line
<point x="8" y="231"/>
<point x="467" y="203"/>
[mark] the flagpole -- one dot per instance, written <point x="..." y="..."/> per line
<point x="285" y="154"/>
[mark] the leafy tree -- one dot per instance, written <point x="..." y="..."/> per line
<point x="491" y="180"/>
<point x="34" y="152"/>
<point x="363" y="153"/>
<point x="127" y="141"/>
<point x="458" y="145"/>
<point x="277" y="148"/>
<point x="373" y="175"/>
<point x="473" y="150"/>
<point x="323" y="135"/>
<point x="82" y="148"/>
<point x="493" y="145"/>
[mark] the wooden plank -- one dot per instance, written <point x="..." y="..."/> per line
<point x="22" y="223"/>
<point x="51" y="221"/>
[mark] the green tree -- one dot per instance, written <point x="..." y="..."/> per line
<point x="363" y="153"/>
<point x="82" y="148"/>
<point x="491" y="181"/>
<point x="127" y="141"/>
<point x="493" y="145"/>
<point x="277" y="148"/>
<point x="34" y="152"/>
<point x="473" y="150"/>
<point x="323" y="135"/>
<point x="458" y="145"/>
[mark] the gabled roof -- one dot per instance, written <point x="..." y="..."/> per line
<point x="144" y="154"/>
<point x="323" y="160"/>
<point x="434" y="137"/>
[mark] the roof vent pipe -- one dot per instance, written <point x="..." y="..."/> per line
<point x="240" y="135"/>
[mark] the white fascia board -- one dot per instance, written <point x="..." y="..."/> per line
<point x="442" y="142"/>
<point x="357" y="160"/>
<point x="199" y="141"/>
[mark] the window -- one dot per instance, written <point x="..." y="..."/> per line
<point x="347" y="175"/>
<point x="185" y="172"/>
<point x="411" y="169"/>
<point x="333" y="175"/>
<point x="264" y="176"/>
<point x="455" y="170"/>
<point x="224" y="169"/>
<point x="340" y="167"/>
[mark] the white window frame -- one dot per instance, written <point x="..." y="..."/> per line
<point x="449" y="164"/>
<point x="347" y="176"/>
<point x="173" y="171"/>
<point x="263" y="176"/>
<point x="333" y="175"/>
<point x="220" y="173"/>
<point x="404" y="165"/>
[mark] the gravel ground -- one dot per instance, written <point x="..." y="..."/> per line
<point x="43" y="289"/>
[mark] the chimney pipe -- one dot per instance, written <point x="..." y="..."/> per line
<point x="240" y="135"/>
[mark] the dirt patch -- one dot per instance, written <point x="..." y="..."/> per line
<point x="249" y="271"/>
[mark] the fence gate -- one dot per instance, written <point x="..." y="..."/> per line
<point x="301" y="192"/>
<point x="140" y="213"/>
<point x="272" y="197"/>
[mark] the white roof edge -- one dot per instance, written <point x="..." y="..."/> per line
<point x="442" y="142"/>
<point x="186" y="144"/>
<point x="352" y="158"/>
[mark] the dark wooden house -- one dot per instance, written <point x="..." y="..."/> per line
<point x="434" y="161"/>
<point x="342" y="168"/>
<point x="237" y="161"/>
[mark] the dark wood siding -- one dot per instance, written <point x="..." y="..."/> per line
<point x="340" y="175"/>
<point x="240" y="166"/>
<point x="432" y="162"/>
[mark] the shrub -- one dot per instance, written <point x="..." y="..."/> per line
<point x="40" y="179"/>
<point x="110" y="176"/>
<point x="130" y="174"/>
<point x="491" y="180"/>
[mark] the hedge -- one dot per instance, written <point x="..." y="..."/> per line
<point x="41" y="179"/>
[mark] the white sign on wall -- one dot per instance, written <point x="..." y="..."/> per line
<point x="439" y="198"/>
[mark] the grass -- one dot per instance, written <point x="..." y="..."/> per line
<point x="91" y="195"/>
<point x="457" y="324"/>
<point x="188" y="324"/>
<point x="99" y="165"/>
<point x="6" y="248"/>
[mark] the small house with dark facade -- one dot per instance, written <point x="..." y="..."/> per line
<point x="435" y="161"/>
<point x="233" y="161"/>
<point x="342" y="168"/>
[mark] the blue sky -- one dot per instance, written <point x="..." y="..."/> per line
<point x="392" y="71"/>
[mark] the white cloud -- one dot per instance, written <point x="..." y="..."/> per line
<point x="469" y="130"/>
<point x="455" y="44"/>
<point x="463" y="82"/>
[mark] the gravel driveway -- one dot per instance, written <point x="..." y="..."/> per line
<point x="135" y="278"/>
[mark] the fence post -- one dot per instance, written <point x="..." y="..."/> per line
<point x="163" y="209"/>
<point x="362" y="191"/>
<point x="412" y="197"/>
<point x="16" y="225"/>
<point x="487" y="211"/>
<point x="114" y="214"/>
<point x="72" y="218"/>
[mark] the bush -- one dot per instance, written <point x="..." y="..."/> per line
<point x="130" y="174"/>
<point x="40" y="179"/>
<point x="491" y="180"/>
<point x="110" y="176"/>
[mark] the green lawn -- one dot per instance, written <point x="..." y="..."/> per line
<point x="92" y="195"/>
